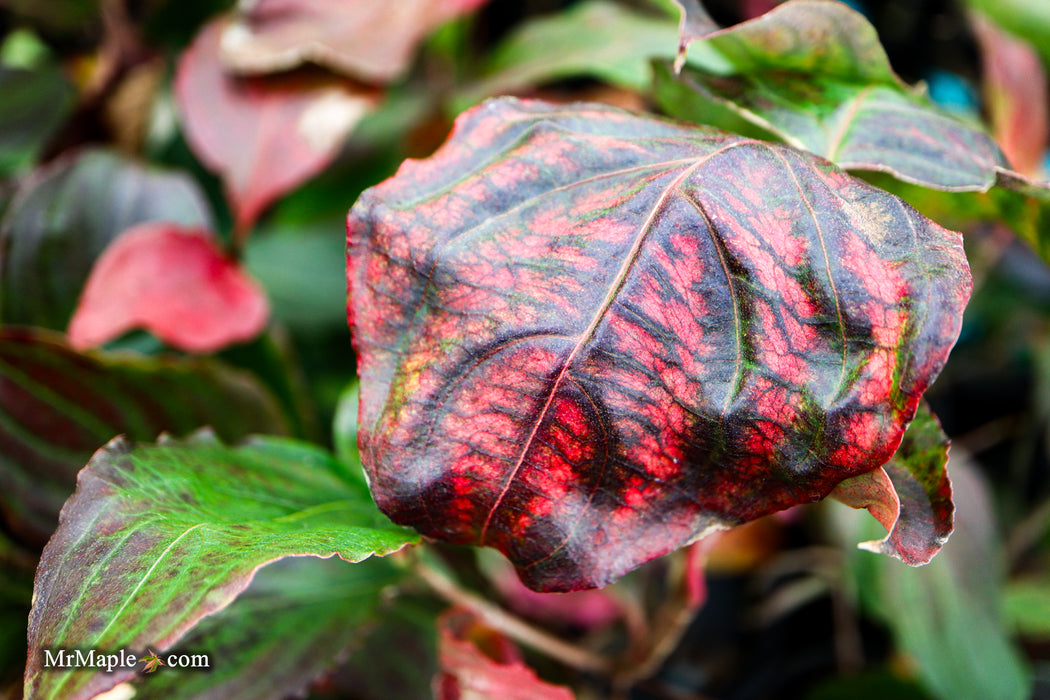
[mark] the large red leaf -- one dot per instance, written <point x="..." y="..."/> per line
<point x="372" y="40"/>
<point x="174" y="282"/>
<point x="587" y="337"/>
<point x="264" y="137"/>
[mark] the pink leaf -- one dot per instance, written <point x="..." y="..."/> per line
<point x="481" y="664"/>
<point x="263" y="136"/>
<point x="373" y="40"/>
<point x="1015" y="89"/>
<point x="174" y="282"/>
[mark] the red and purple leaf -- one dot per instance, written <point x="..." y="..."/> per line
<point x="911" y="496"/>
<point x="479" y="663"/>
<point x="264" y="137"/>
<point x="174" y="282"/>
<point x="587" y="337"/>
<point x="371" y="40"/>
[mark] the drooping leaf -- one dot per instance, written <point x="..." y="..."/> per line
<point x="295" y="621"/>
<point x="592" y="39"/>
<point x="65" y="215"/>
<point x="58" y="406"/>
<point x="910" y="496"/>
<point x="1015" y="95"/>
<point x="814" y="73"/>
<point x="371" y="40"/>
<point x="477" y="662"/>
<point x="174" y="282"/>
<point x="586" y="337"/>
<point x="946" y="616"/>
<point x="263" y="136"/>
<point x="36" y="102"/>
<point x="159" y="536"/>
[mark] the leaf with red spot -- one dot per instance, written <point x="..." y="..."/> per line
<point x="587" y="337"/>
<point x="910" y="496"/>
<point x="372" y="40"/>
<point x="263" y="136"/>
<point x="174" y="282"/>
<point x="477" y="662"/>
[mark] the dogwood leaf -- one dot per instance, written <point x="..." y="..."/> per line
<point x="587" y="337"/>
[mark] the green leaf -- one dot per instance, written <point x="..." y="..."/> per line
<point x="595" y="39"/>
<point x="304" y="276"/>
<point x="1022" y="205"/>
<point x="1027" y="607"/>
<point x="58" y="406"/>
<point x="299" y="616"/>
<point x="17" y="564"/>
<point x="814" y="74"/>
<point x="344" y="430"/>
<point x="36" y="102"/>
<point x="66" y="214"/>
<point x="399" y="659"/>
<point x="159" y="536"/>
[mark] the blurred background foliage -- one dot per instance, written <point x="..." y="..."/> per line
<point x="95" y="137"/>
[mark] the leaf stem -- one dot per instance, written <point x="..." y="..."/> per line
<point x="515" y="628"/>
<point x="673" y="617"/>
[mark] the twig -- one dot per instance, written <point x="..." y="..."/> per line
<point x="515" y="628"/>
<point x="672" y="619"/>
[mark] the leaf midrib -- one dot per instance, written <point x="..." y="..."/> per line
<point x="617" y="284"/>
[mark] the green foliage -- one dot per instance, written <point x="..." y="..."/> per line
<point x="214" y="545"/>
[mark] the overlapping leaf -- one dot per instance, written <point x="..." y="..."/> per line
<point x="587" y="337"/>
<point x="371" y="40"/>
<point x="1016" y="95"/>
<point x="813" y="73"/>
<point x="162" y="535"/>
<point x="596" y="39"/>
<point x="173" y="281"/>
<point x="58" y="406"/>
<point x="64" y="216"/>
<point x="264" y="137"/>
<point x="910" y="496"/>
